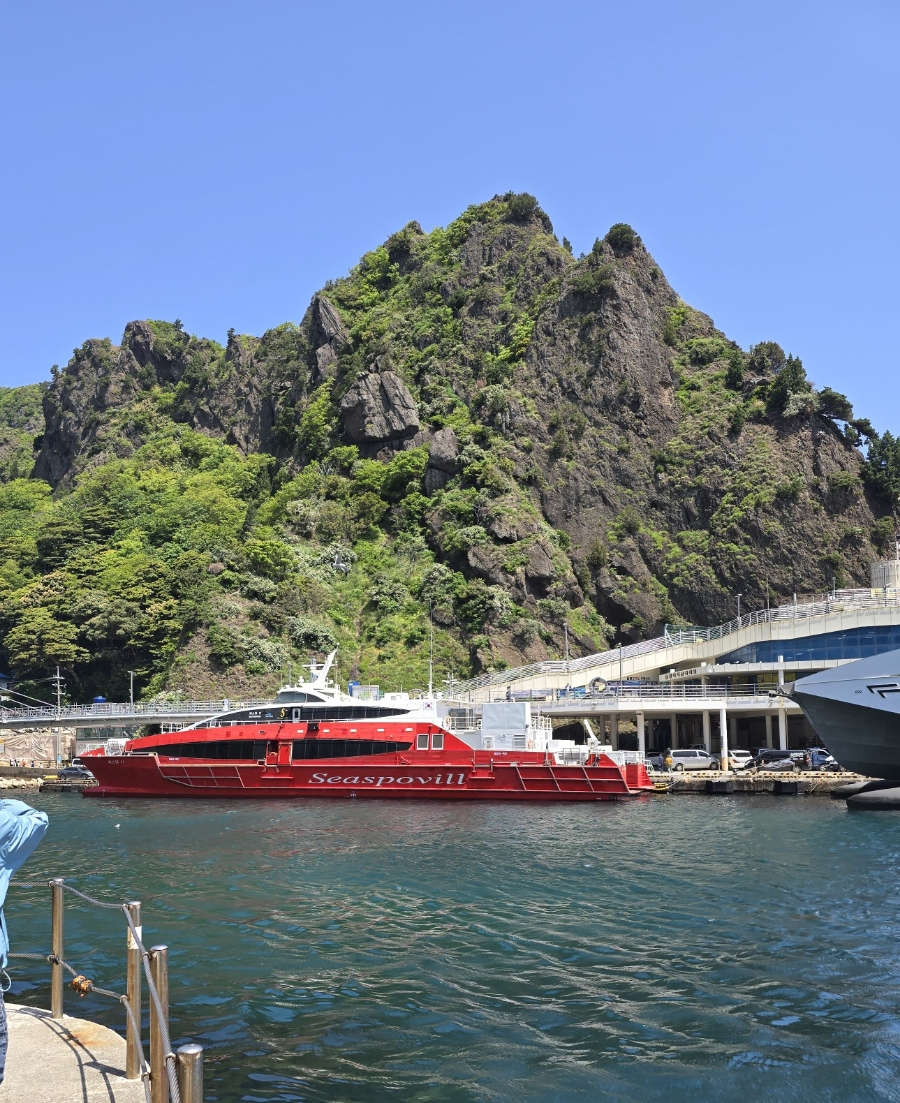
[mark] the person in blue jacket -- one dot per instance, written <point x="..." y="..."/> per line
<point x="21" y="829"/>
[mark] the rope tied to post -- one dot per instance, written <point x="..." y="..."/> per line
<point x="83" y="985"/>
<point x="170" y="1059"/>
<point x="66" y="888"/>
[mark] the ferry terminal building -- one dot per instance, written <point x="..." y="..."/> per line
<point x="680" y="689"/>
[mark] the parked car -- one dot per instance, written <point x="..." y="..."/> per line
<point x="75" y="773"/>
<point x="773" y="758"/>
<point x="739" y="759"/>
<point x="693" y="760"/>
<point x="820" y="759"/>
<point x="654" y="761"/>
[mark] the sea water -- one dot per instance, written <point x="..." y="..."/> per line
<point x="673" y="948"/>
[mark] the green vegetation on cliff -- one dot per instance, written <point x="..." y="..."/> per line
<point x="473" y="429"/>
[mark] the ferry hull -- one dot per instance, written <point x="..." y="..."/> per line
<point x="148" y="776"/>
<point x="855" y="709"/>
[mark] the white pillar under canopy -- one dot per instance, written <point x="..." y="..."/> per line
<point x="723" y="730"/>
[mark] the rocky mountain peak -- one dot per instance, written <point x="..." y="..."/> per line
<point x="518" y="438"/>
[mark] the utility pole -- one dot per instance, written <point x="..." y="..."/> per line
<point x="566" y="634"/>
<point x="431" y="654"/>
<point x="131" y="688"/>
<point x="739" y="609"/>
<point x="58" y="680"/>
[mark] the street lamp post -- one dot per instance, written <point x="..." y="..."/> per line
<point x="131" y="688"/>
<point x="739" y="607"/>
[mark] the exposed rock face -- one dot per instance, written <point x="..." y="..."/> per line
<point x="88" y="410"/>
<point x="326" y="326"/>
<point x="508" y="526"/>
<point x="138" y="337"/>
<point x="379" y="408"/>
<point x="443" y="460"/>
<point x="326" y="334"/>
<point x="99" y="378"/>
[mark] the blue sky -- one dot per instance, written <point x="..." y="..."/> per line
<point x="217" y="162"/>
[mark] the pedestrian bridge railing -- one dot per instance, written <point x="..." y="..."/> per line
<point x="168" y="1077"/>
<point x="840" y="601"/>
<point x="649" y="691"/>
<point x="142" y="712"/>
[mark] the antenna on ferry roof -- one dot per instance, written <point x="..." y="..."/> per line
<point x="431" y="655"/>
<point x="320" y="673"/>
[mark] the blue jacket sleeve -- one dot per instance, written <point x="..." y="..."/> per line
<point x="21" y="829"/>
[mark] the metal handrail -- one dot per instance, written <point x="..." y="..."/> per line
<point x="670" y="691"/>
<point x="138" y="709"/>
<point x="169" y="1077"/>
<point x="837" y="602"/>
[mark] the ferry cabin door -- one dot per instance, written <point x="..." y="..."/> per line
<point x="278" y="752"/>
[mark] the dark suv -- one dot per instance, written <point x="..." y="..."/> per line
<point x="774" y="759"/>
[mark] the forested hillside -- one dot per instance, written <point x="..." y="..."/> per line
<point x="474" y="425"/>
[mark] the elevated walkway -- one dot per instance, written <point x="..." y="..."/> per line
<point x="119" y="714"/>
<point x="691" y="647"/>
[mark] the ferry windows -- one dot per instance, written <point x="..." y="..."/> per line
<point x="422" y="742"/>
<point x="437" y="742"/>
<point x="252" y="750"/>
<point x="344" y="748"/>
<point x="249" y="750"/>
<point x="849" y="643"/>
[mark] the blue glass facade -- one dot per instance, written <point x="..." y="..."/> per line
<point x="854" y="643"/>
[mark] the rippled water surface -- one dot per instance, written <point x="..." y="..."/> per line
<point x="688" y="948"/>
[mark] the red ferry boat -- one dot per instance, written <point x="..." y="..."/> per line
<point x="315" y="741"/>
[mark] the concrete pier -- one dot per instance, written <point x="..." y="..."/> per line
<point x="780" y="782"/>
<point x="64" y="1060"/>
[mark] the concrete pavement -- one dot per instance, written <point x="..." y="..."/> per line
<point x="64" y="1060"/>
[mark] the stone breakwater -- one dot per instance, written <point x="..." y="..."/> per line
<point x="20" y="782"/>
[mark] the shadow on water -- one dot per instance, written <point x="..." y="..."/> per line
<point x="671" y="949"/>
